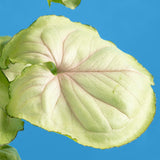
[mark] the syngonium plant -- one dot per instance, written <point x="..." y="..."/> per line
<point x="64" y="78"/>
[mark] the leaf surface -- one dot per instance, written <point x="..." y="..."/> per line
<point x="97" y="95"/>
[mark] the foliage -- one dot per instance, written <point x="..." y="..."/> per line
<point x="61" y="76"/>
<point x="68" y="3"/>
<point x="68" y="80"/>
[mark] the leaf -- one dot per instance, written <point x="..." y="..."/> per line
<point x="68" y="3"/>
<point x="8" y="126"/>
<point x="8" y="153"/>
<point x="78" y="84"/>
<point x="13" y="69"/>
<point x="3" y="40"/>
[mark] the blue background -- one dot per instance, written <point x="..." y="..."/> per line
<point x="134" y="26"/>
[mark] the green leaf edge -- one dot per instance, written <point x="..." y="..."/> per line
<point x="17" y="130"/>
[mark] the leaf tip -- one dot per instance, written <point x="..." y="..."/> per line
<point x="52" y="67"/>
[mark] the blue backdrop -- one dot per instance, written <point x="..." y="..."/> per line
<point x="134" y="26"/>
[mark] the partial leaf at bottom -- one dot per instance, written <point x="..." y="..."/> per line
<point x="8" y="153"/>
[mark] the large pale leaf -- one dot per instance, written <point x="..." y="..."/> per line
<point x="8" y="153"/>
<point x="8" y="126"/>
<point x="95" y="93"/>
<point x="68" y="3"/>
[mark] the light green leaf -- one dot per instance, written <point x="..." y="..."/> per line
<point x="12" y="69"/>
<point x="68" y="3"/>
<point x="78" y="84"/>
<point x="3" y="40"/>
<point x="8" y="126"/>
<point x="8" y="153"/>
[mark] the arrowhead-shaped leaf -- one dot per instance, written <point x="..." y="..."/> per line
<point x="68" y="3"/>
<point x="78" y="85"/>
<point x="8" y="153"/>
